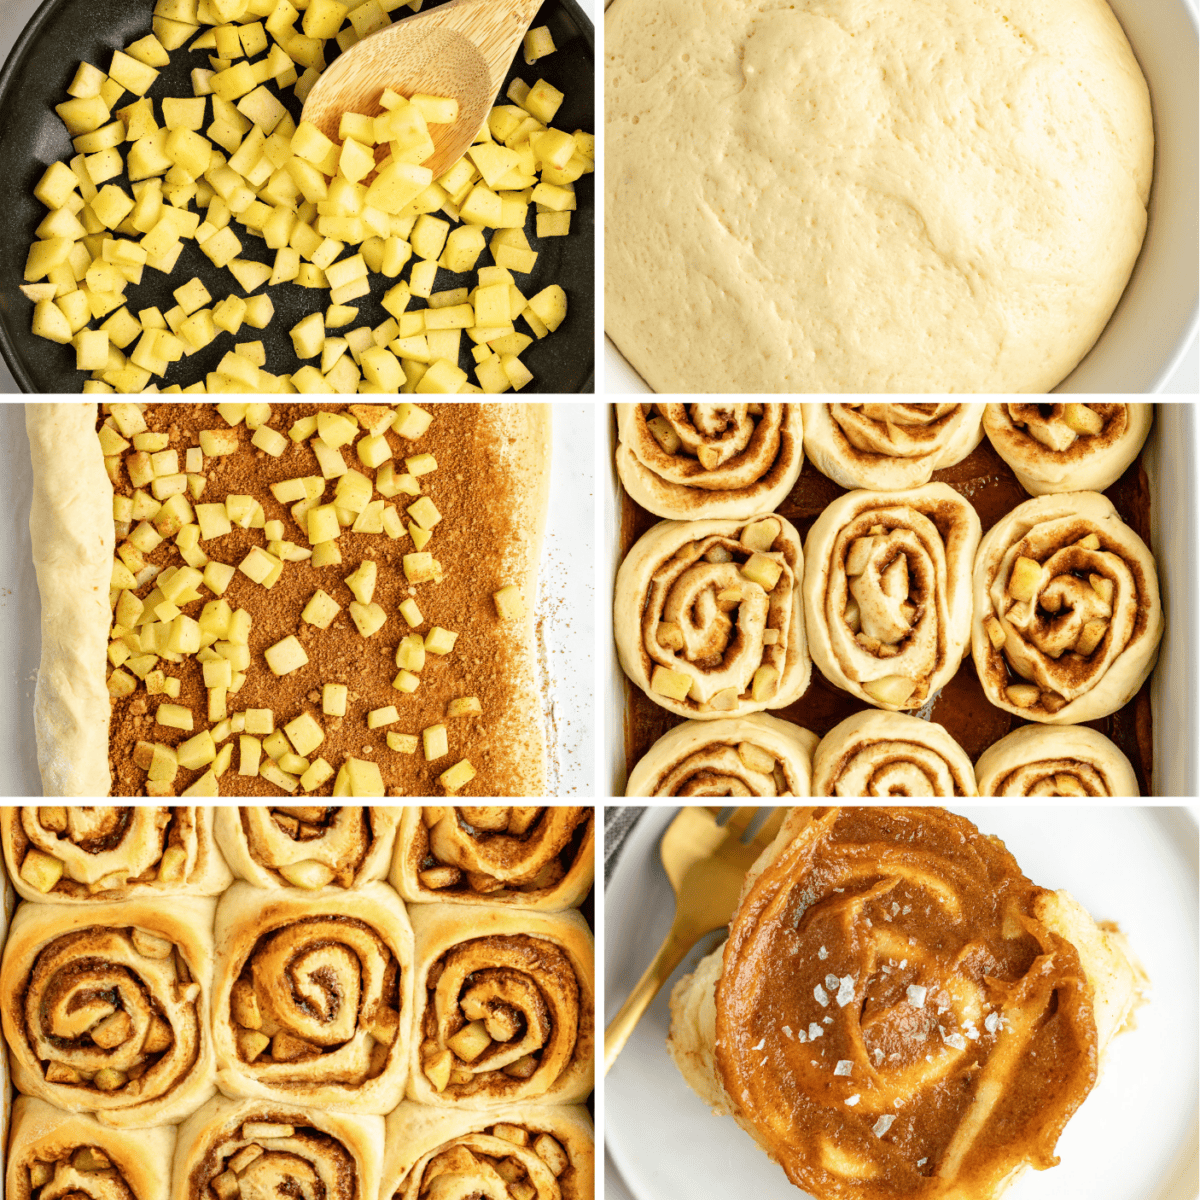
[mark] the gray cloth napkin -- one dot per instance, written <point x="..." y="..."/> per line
<point x="619" y="820"/>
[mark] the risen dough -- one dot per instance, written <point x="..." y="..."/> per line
<point x="850" y="196"/>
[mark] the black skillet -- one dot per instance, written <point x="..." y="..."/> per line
<point x="62" y="33"/>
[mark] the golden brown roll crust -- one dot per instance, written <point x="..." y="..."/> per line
<point x="312" y="996"/>
<point x="1055" y="760"/>
<point x="504" y="1007"/>
<point x="307" y="845"/>
<point x="263" y="1148"/>
<point x="690" y="462"/>
<point x="65" y="854"/>
<point x="55" y="1153"/>
<point x="540" y="857"/>
<point x="106" y="1008"/>
<point x="523" y="1152"/>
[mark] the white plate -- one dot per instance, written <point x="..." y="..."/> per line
<point x="1133" y="1139"/>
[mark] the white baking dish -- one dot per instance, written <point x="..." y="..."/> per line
<point x="1170" y="460"/>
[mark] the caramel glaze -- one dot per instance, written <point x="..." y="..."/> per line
<point x="989" y="483"/>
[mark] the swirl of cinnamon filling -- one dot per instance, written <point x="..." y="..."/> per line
<point x="888" y="447"/>
<point x="694" y="461"/>
<point x="887" y="592"/>
<point x="707" y="616"/>
<point x="1067" y="447"/>
<point x="758" y="755"/>
<point x="504" y="1006"/>
<point x="1059" y="760"/>
<point x="1067" y="614"/>
<point x="111" y="1016"/>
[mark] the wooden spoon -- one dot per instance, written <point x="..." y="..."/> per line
<point x="462" y="49"/>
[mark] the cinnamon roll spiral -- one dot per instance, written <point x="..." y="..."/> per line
<point x="106" y="1009"/>
<point x="1067" y="613"/>
<point x="898" y="1011"/>
<point x="523" y="1152"/>
<point x="707" y="616"/>
<point x="887" y="592"/>
<point x="696" y="461"/>
<point x="523" y="856"/>
<point x="265" y="1150"/>
<point x="58" y="854"/>
<point x="504" y="1007"/>
<point x="307" y="846"/>
<point x="877" y="753"/>
<point x="888" y="447"/>
<point x="1067" y="447"/>
<point x="312" y="996"/>
<point x="758" y="755"/>
<point x="1060" y="760"/>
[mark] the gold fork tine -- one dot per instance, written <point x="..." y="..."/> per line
<point x="740" y="822"/>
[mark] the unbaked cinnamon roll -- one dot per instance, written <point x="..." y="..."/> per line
<point x="312" y="996"/>
<point x="54" y="1154"/>
<point x="898" y="1011"/>
<point x="1067" y="447"/>
<point x="106" y="1008"/>
<point x="57" y="854"/>
<point x="504" y="1007"/>
<point x="523" y="1152"/>
<point x="887" y="592"/>
<point x="307" y="846"/>
<point x="254" y="1149"/>
<point x="1058" y="760"/>
<point x="877" y="753"/>
<point x="889" y="447"/>
<point x="758" y="755"/>
<point x="522" y="856"/>
<point x="1067" y="613"/>
<point x="695" y="461"/>
<point x="708" y="619"/>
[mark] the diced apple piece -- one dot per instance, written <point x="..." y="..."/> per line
<point x="286" y="656"/>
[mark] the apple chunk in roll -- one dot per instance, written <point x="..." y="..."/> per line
<point x="708" y="619"/>
<point x="1067" y="615"/>
<point x="898" y="1011"/>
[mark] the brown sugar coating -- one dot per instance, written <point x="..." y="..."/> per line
<point x="984" y="479"/>
<point x="475" y="491"/>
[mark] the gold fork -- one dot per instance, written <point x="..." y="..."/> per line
<point x="706" y="864"/>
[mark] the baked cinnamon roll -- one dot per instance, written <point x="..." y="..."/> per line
<point x="695" y="461"/>
<point x="898" y="1011"/>
<point x="877" y="753"/>
<point x="889" y="447"/>
<point x="758" y="755"/>
<point x="1067" y="447"/>
<point x="1059" y="760"/>
<point x="887" y="592"/>
<point x="708" y="619"/>
<point x="1067" y="613"/>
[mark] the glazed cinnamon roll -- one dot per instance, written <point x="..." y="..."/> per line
<point x="708" y="619"/>
<point x="312" y="996"/>
<point x="251" y="1149"/>
<point x="504" y="1007"/>
<point x="54" y="1154"/>
<point x="57" y="854"/>
<point x="307" y="846"/>
<point x="523" y="1152"/>
<point x="898" y="1011"/>
<point x="696" y="461"/>
<point x="877" y="753"/>
<point x="889" y="447"/>
<point x="1059" y="760"/>
<point x="1067" y="613"/>
<point x="887" y="592"/>
<point x="106" y="1008"/>
<point x="758" y="755"/>
<point x="1067" y="447"/>
<point x="522" y="856"/>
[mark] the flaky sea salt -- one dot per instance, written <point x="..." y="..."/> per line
<point x="991" y="1022"/>
<point x="831" y="983"/>
<point x="916" y="995"/>
<point x="819" y="994"/>
<point x="815" y="1031"/>
<point x="760" y="1045"/>
<point x="844" y="1066"/>
<point x="787" y="1029"/>
<point x="957" y="1041"/>
<point x="845" y="992"/>
<point x="851" y="1101"/>
<point x="822" y="954"/>
<point x="882" y="1125"/>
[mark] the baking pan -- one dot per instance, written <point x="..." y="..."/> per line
<point x="63" y="33"/>
<point x="1169" y="457"/>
